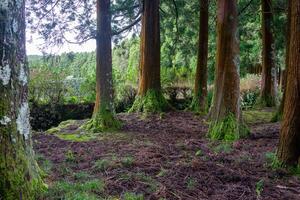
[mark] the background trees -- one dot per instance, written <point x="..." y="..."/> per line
<point x="19" y="173"/>
<point x="269" y="71"/>
<point x="200" y="90"/>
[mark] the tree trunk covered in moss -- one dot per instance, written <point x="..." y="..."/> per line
<point x="150" y="98"/>
<point x="199" y="103"/>
<point x="19" y="172"/>
<point x="225" y="112"/>
<point x="269" y="82"/>
<point x="103" y="115"/>
<point x="289" y="151"/>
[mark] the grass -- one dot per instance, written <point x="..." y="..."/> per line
<point x="75" y="191"/>
<point x="44" y="164"/>
<point x="102" y="165"/>
<point x="191" y="183"/>
<point x="132" y="196"/>
<point x="259" y="187"/>
<point x="127" y="161"/>
<point x="225" y="147"/>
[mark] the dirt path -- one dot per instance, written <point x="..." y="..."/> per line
<point x="169" y="157"/>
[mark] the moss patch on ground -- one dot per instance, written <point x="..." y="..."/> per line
<point x="258" y="116"/>
<point x="72" y="130"/>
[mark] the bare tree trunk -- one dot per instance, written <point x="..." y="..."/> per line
<point x="278" y="115"/>
<point x="150" y="98"/>
<point x="103" y="116"/>
<point x="269" y="82"/>
<point x="225" y="112"/>
<point x="19" y="172"/>
<point x="288" y="150"/>
<point x="199" y="103"/>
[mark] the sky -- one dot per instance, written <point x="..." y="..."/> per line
<point x="34" y="42"/>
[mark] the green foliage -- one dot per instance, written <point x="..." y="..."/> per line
<point x="272" y="160"/>
<point x="70" y="157"/>
<point x="259" y="187"/>
<point x="199" y="153"/>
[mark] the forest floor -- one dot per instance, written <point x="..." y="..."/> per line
<point x="164" y="156"/>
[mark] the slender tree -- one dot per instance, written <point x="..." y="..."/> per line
<point x="279" y="113"/>
<point x="225" y="113"/>
<point x="199" y="103"/>
<point x="269" y="82"/>
<point x="19" y="172"/>
<point x="288" y="150"/>
<point x="103" y="116"/>
<point x="150" y="97"/>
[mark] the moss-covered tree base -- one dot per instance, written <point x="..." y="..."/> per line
<point x="152" y="102"/>
<point x="229" y="129"/>
<point x="102" y="121"/>
<point x="20" y="176"/>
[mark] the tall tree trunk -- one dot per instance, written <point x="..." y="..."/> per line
<point x="289" y="151"/>
<point x="269" y="82"/>
<point x="103" y="116"/>
<point x="278" y="115"/>
<point x="225" y="112"/>
<point x="150" y="98"/>
<point x="19" y="173"/>
<point x="199" y="103"/>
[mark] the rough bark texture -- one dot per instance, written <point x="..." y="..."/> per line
<point x="289" y="151"/>
<point x="19" y="173"/>
<point x="269" y="82"/>
<point x="103" y="116"/>
<point x="150" y="98"/>
<point x="225" y="111"/>
<point x="199" y="103"/>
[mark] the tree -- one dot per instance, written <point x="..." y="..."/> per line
<point x="288" y="150"/>
<point x="103" y="116"/>
<point x="278" y="115"/>
<point x="150" y="97"/>
<point x="19" y="172"/>
<point x="268" y="83"/>
<point x="199" y="102"/>
<point x="225" y="113"/>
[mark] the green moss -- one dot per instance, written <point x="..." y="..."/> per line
<point x="152" y="102"/>
<point x="229" y="129"/>
<point x="257" y="116"/>
<point x="77" y="137"/>
<point x="133" y="196"/>
<point x="103" y="120"/>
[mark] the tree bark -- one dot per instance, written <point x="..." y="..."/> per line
<point x="150" y="98"/>
<point x="19" y="172"/>
<point x="199" y="103"/>
<point x="103" y="115"/>
<point x="288" y="150"/>
<point x="225" y="112"/>
<point x="269" y="82"/>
